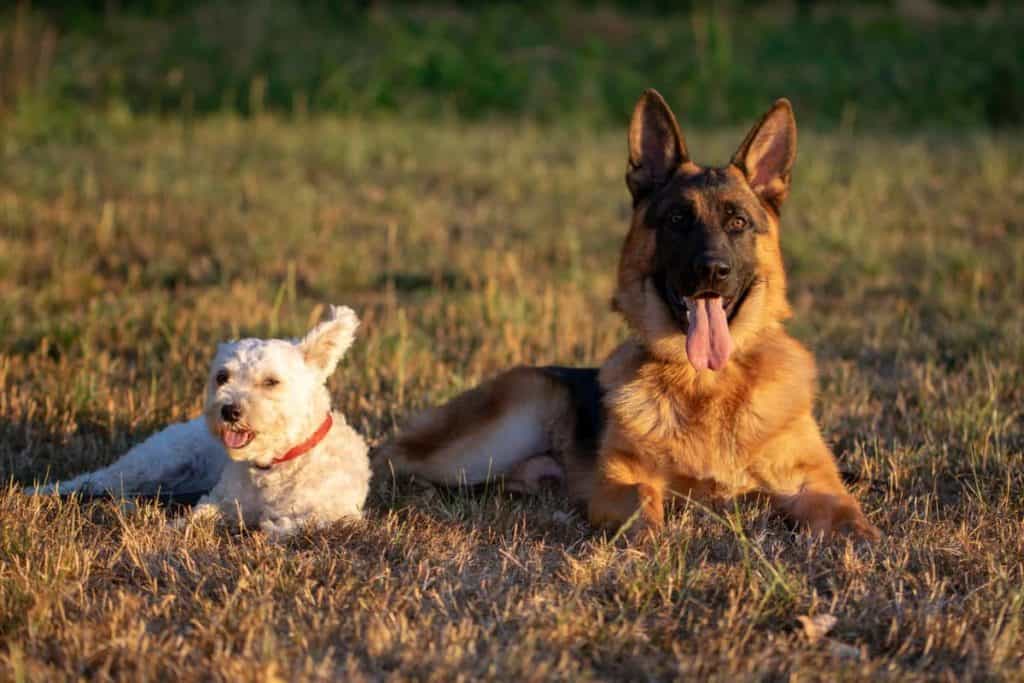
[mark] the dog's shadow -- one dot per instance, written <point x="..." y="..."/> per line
<point x="504" y="515"/>
<point x="424" y="532"/>
<point x="505" y="518"/>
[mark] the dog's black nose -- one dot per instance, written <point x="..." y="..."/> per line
<point x="714" y="270"/>
<point x="230" y="412"/>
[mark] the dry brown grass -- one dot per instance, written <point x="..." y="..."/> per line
<point x="125" y="255"/>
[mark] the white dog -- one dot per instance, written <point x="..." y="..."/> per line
<point x="268" y="446"/>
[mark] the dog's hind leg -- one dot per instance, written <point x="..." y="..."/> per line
<point x="485" y="433"/>
<point x="181" y="459"/>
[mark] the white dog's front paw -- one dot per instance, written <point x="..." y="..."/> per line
<point x="201" y="512"/>
<point x="280" y="528"/>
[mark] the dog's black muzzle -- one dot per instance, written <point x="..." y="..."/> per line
<point x="712" y="277"/>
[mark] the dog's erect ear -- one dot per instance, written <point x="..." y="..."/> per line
<point x="326" y="343"/>
<point x="767" y="154"/>
<point x="656" y="147"/>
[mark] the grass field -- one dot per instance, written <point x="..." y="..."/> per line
<point x="128" y="251"/>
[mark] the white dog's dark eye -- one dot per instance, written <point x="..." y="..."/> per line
<point x="221" y="377"/>
<point x="271" y="382"/>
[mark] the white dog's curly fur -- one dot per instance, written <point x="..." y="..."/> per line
<point x="264" y="397"/>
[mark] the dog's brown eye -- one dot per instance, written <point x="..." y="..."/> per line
<point x="271" y="382"/>
<point x="221" y="377"/>
<point x="676" y="218"/>
<point x="737" y="223"/>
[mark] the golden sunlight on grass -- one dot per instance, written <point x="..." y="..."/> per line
<point x="126" y="255"/>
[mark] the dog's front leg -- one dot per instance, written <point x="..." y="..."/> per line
<point x="626" y="496"/>
<point x="802" y="480"/>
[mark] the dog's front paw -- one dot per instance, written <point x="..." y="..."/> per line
<point x="279" y="528"/>
<point x="201" y="512"/>
<point x="858" y="527"/>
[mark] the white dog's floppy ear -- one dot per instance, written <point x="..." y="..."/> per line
<point x="326" y="343"/>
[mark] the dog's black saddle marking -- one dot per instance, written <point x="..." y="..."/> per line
<point x="587" y="398"/>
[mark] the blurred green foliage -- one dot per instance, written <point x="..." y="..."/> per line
<point x="864" y="65"/>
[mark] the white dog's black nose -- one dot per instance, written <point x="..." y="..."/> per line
<point x="230" y="412"/>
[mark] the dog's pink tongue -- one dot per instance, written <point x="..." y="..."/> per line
<point x="234" y="439"/>
<point x="708" y="342"/>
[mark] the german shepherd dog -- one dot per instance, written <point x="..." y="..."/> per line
<point x="710" y="398"/>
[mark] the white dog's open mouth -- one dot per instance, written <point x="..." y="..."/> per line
<point x="235" y="438"/>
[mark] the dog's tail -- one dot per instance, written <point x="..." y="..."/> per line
<point x="181" y="461"/>
<point x="517" y="425"/>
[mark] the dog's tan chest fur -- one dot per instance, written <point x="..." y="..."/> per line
<point x="657" y="420"/>
<point x="700" y="429"/>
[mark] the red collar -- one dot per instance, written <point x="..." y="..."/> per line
<point x="307" y="445"/>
